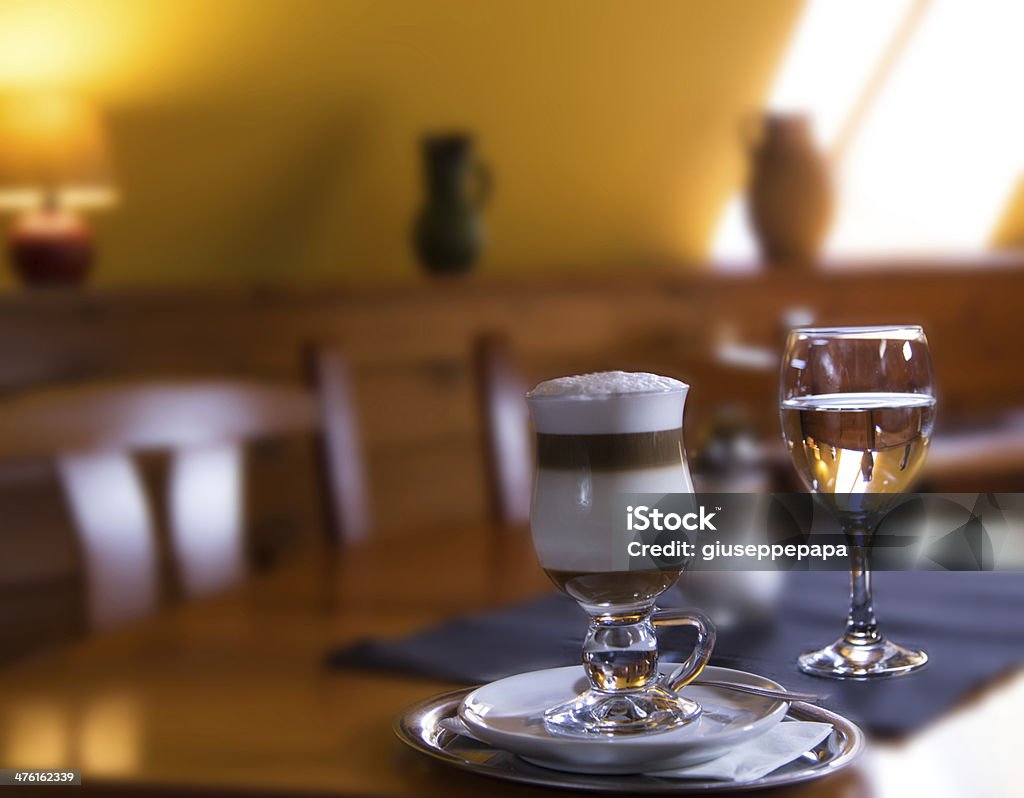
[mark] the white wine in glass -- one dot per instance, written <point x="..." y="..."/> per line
<point x="857" y="406"/>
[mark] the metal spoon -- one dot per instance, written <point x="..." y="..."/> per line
<point x="766" y="692"/>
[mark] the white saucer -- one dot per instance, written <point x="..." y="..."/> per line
<point x="508" y="714"/>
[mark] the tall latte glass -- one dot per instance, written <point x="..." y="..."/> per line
<point x="599" y="436"/>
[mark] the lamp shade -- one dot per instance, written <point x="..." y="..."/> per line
<point x="53" y="150"/>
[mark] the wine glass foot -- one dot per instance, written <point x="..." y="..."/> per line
<point x="872" y="660"/>
<point x="650" y="710"/>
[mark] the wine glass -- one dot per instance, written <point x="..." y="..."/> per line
<point x="857" y="406"/>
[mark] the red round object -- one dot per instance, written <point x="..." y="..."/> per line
<point x="51" y="247"/>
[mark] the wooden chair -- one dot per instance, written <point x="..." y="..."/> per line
<point x="342" y="467"/>
<point x="505" y="431"/>
<point x="93" y="430"/>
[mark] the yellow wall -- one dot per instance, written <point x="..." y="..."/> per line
<point x="277" y="139"/>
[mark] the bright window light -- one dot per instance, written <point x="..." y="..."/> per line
<point x="914" y="100"/>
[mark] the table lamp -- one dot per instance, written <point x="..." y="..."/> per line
<point x="54" y="162"/>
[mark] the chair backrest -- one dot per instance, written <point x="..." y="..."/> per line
<point x="505" y="432"/>
<point x="92" y="432"/>
<point x="342" y="468"/>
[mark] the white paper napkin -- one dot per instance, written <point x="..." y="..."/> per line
<point x="779" y="746"/>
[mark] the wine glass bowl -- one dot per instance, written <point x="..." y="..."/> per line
<point x="857" y="406"/>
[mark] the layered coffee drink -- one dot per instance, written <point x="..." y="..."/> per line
<point x="599" y="436"/>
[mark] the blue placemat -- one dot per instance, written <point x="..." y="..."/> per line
<point x="971" y="625"/>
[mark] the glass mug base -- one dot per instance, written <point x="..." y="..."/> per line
<point x="875" y="660"/>
<point x="649" y="710"/>
<point x="626" y="696"/>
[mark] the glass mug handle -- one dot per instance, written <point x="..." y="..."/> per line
<point x="698" y="658"/>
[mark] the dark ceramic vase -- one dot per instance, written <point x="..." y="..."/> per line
<point x="449" y="231"/>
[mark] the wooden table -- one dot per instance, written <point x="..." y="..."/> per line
<point x="231" y="695"/>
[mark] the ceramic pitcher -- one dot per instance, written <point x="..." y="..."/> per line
<point x="789" y="196"/>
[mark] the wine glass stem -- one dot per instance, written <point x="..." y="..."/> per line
<point x="861" y="625"/>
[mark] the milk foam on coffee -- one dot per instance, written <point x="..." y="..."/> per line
<point x="605" y="420"/>
<point x="607" y="402"/>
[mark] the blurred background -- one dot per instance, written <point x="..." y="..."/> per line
<point x="327" y="244"/>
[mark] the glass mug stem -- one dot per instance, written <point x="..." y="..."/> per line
<point x="626" y="694"/>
